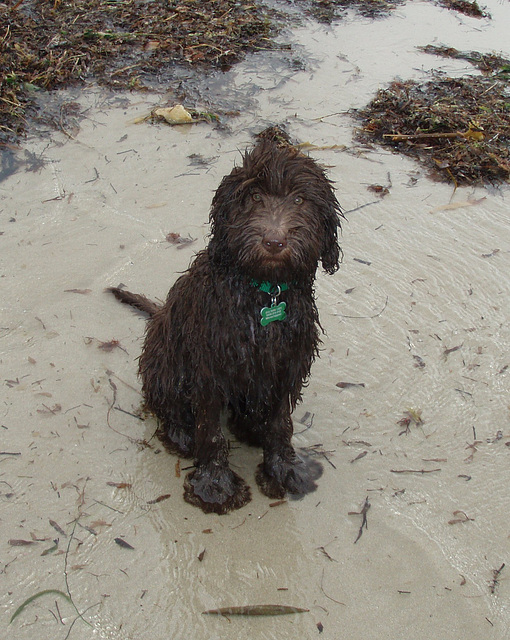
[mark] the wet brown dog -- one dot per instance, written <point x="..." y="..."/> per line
<point x="240" y="328"/>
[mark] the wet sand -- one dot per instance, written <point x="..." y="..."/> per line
<point x="417" y="317"/>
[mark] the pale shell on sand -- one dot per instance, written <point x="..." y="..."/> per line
<point x="174" y="115"/>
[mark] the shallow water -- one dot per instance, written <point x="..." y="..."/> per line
<point x="418" y="280"/>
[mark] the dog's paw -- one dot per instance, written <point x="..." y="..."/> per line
<point x="216" y="489"/>
<point x="296" y="475"/>
<point x="177" y="440"/>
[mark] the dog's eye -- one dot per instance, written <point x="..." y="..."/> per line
<point x="298" y="200"/>
<point x="256" y="197"/>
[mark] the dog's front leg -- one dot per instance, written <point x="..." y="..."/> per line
<point x="283" y="470"/>
<point x="213" y="486"/>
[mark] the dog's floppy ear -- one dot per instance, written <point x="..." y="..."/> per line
<point x="226" y="197"/>
<point x="233" y="187"/>
<point x="225" y="202"/>
<point x="319" y="190"/>
<point x="331" y="253"/>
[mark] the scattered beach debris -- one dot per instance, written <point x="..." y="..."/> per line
<point x="452" y="206"/>
<point x="256" y="610"/>
<point x="177" y="239"/>
<point x="419" y="362"/>
<point x="415" y="471"/>
<point x="363" y="514"/>
<point x="108" y="345"/>
<point x="177" y="114"/>
<point x="411" y="417"/>
<point x="458" y="128"/>
<point x="122" y="543"/>
<point x="348" y="385"/>
<point x="124" y="45"/>
<point x="165" y="496"/>
<point x="359" y="456"/>
<point x="380" y="189"/>
<point x="447" y="351"/>
<point x="173" y="115"/>
<point x="465" y="7"/>
<point x="326" y="11"/>
<point x="460" y="517"/>
<point x="53" y="592"/>
<point x="488" y="63"/>
<point x="495" y="578"/>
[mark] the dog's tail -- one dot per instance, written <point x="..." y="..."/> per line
<point x="136" y="300"/>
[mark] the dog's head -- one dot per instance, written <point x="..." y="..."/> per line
<point x="276" y="216"/>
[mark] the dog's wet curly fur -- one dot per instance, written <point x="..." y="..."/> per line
<point x="273" y="220"/>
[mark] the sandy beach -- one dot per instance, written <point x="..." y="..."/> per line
<point x="407" y="408"/>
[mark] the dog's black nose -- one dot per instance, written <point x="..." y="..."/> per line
<point x="273" y="244"/>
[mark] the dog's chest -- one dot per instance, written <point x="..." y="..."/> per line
<point x="262" y="337"/>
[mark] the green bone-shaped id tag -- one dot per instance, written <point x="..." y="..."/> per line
<point x="270" y="314"/>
